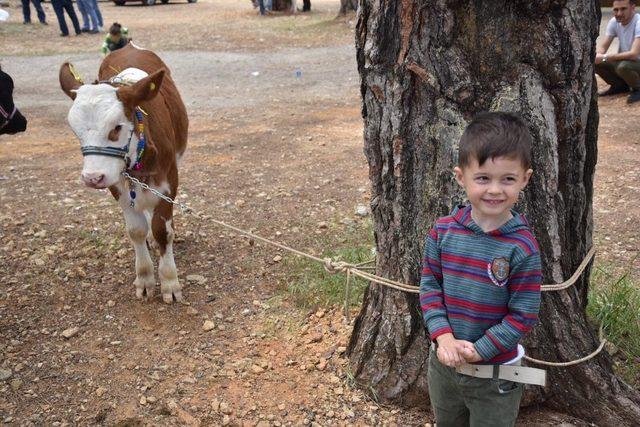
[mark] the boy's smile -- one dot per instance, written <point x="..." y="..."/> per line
<point x="493" y="189"/>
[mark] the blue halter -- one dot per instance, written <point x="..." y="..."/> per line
<point x="120" y="152"/>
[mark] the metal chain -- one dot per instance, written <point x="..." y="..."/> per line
<point x="184" y="208"/>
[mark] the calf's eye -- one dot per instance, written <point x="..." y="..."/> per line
<point x="114" y="133"/>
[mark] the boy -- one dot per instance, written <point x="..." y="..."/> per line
<point x="117" y="38"/>
<point x="481" y="276"/>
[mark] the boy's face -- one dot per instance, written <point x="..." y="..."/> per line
<point x="115" y="37"/>
<point x="493" y="188"/>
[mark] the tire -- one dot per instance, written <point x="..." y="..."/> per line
<point x="119" y="2"/>
<point x="148" y="2"/>
<point x="192" y="1"/>
<point x="164" y="1"/>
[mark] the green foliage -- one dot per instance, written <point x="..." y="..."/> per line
<point x="614" y="302"/>
<point x="310" y="285"/>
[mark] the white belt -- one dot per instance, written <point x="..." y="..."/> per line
<point x="519" y="374"/>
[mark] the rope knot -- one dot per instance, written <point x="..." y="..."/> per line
<point x="335" y="266"/>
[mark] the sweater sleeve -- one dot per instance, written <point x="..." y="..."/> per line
<point x="523" y="308"/>
<point x="434" y="312"/>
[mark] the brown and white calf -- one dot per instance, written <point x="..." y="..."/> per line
<point x="105" y="117"/>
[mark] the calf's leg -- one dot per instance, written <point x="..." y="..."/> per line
<point x="137" y="229"/>
<point x="161" y="226"/>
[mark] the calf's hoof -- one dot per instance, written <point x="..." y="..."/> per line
<point x="171" y="291"/>
<point x="145" y="287"/>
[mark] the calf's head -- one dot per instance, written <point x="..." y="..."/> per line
<point x="11" y="120"/>
<point x="102" y="116"/>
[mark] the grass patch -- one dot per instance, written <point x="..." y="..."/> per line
<point x="309" y="285"/>
<point x="614" y="302"/>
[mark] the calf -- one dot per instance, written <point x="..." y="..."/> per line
<point x="11" y="120"/>
<point x="133" y="120"/>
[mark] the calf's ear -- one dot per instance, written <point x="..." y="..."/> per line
<point x="141" y="91"/>
<point x="70" y="80"/>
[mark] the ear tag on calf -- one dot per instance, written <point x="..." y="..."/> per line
<point x="152" y="86"/>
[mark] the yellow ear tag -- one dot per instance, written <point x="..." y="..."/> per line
<point x="153" y="86"/>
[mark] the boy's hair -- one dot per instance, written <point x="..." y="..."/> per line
<point x="114" y="30"/>
<point x="495" y="134"/>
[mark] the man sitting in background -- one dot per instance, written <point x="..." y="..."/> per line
<point x="621" y="70"/>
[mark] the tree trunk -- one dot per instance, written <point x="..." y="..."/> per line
<point x="427" y="67"/>
<point x="282" y="5"/>
<point x="347" y="5"/>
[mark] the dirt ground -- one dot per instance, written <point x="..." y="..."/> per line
<point x="275" y="146"/>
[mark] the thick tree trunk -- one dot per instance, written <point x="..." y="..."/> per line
<point x="347" y="5"/>
<point x="427" y="67"/>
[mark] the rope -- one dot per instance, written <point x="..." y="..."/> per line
<point x="334" y="267"/>
<point x="573" y="279"/>
<point x="603" y="341"/>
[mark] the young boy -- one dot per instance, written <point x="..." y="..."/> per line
<point x="481" y="276"/>
<point x="117" y="38"/>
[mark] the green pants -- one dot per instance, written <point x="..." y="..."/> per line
<point x="460" y="400"/>
<point x="620" y="73"/>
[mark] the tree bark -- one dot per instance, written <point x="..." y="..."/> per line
<point x="347" y="5"/>
<point x="427" y="67"/>
<point x="282" y="5"/>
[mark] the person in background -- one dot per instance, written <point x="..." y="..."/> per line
<point x="59" y="6"/>
<point x="117" y="38"/>
<point x="621" y="70"/>
<point x="26" y="12"/>
<point x="89" y="17"/>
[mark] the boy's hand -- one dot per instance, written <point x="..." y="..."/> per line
<point x="469" y="352"/>
<point x="450" y="350"/>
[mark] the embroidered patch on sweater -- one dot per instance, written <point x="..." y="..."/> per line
<point x="498" y="271"/>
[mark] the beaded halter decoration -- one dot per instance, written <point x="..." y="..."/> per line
<point x="137" y="165"/>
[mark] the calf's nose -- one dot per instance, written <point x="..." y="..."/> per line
<point x="93" y="179"/>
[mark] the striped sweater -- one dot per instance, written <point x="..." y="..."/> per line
<point x="482" y="287"/>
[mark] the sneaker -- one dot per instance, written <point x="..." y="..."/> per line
<point x="613" y="90"/>
<point x="64" y="35"/>
<point x="85" y="30"/>
<point x="44" y="22"/>
<point x="94" y="32"/>
<point x="634" y="96"/>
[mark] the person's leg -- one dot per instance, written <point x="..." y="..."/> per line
<point x="85" y="16"/>
<point x="629" y="72"/>
<point x="68" y="6"/>
<point x="607" y="70"/>
<point x="26" y="12"/>
<point x="96" y="8"/>
<point x="93" y="16"/>
<point x="57" y="8"/>
<point x="491" y="403"/>
<point x="306" y="6"/>
<point x="268" y="5"/>
<point x="444" y="393"/>
<point x="261" y="5"/>
<point x="41" y="15"/>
